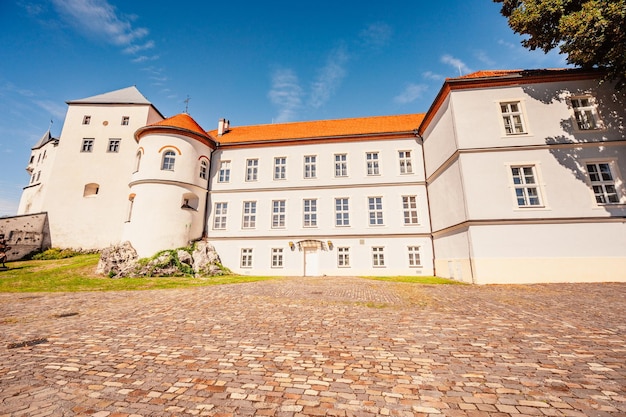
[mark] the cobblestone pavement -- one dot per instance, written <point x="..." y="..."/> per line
<point x="317" y="347"/>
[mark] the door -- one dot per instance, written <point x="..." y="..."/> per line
<point x="311" y="262"/>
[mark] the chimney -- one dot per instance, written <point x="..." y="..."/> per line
<point x="222" y="126"/>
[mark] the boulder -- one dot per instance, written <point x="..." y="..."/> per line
<point x="206" y="261"/>
<point x="117" y="260"/>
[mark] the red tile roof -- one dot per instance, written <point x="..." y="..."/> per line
<point x="181" y="121"/>
<point x="321" y="129"/>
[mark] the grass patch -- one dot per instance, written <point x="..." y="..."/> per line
<point x="418" y="280"/>
<point x="78" y="274"/>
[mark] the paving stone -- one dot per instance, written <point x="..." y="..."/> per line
<point x="332" y="346"/>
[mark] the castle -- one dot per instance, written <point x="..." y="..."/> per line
<point x="512" y="176"/>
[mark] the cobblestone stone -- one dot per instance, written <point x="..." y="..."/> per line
<point x="317" y="347"/>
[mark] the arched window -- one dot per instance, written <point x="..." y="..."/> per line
<point x="203" y="169"/>
<point x="137" y="161"/>
<point x="169" y="158"/>
<point x="91" y="190"/>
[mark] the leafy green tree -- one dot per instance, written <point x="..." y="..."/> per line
<point x="592" y="33"/>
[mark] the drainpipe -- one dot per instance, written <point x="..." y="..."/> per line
<point x="420" y="140"/>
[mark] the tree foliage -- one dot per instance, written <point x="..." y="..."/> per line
<point x="592" y="33"/>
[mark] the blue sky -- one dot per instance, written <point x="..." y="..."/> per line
<point x="248" y="61"/>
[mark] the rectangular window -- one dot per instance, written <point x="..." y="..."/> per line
<point x="372" y="163"/>
<point x="278" y="214"/>
<point x="86" y="120"/>
<point x="406" y="164"/>
<point x="249" y="215"/>
<point x="342" y="215"/>
<point x="378" y="256"/>
<point x="602" y="183"/>
<point x="375" y="209"/>
<point x="414" y="256"/>
<point x="224" y="174"/>
<point x="125" y="120"/>
<point x="513" y="118"/>
<point x="252" y="169"/>
<point x="280" y="168"/>
<point x="409" y="207"/>
<point x="343" y="257"/>
<point x="526" y="187"/>
<point x="246" y="258"/>
<point x="310" y="166"/>
<point x="277" y="257"/>
<point x="310" y="213"/>
<point x="114" y="145"/>
<point x="87" y="145"/>
<point x="341" y="165"/>
<point x="221" y="211"/>
<point x="585" y="113"/>
<point x="203" y="169"/>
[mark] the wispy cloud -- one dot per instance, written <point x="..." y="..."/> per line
<point x="133" y="49"/>
<point x="411" y="93"/>
<point x="484" y="58"/>
<point x="55" y="109"/>
<point x="376" y="35"/>
<point x="285" y="93"/>
<point x="459" y="65"/>
<point x="101" y="20"/>
<point x="329" y="77"/>
<point x="429" y="75"/>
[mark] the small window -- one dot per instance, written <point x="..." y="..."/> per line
<point x="87" y="145"/>
<point x="280" y="168"/>
<point x="125" y="120"/>
<point x="585" y="113"/>
<point x="409" y="207"/>
<point x="341" y="165"/>
<point x="414" y="257"/>
<point x="137" y="161"/>
<point x="310" y="213"/>
<point x="277" y="257"/>
<point x="513" y="118"/>
<point x="203" y="169"/>
<point x="169" y="159"/>
<point x="131" y="203"/>
<point x="219" y="219"/>
<point x="375" y="209"/>
<point x="603" y="183"/>
<point x="372" y="163"/>
<point x="406" y="164"/>
<point x="32" y="158"/>
<point x="342" y="212"/>
<point x="249" y="215"/>
<point x="252" y="169"/>
<point x="278" y="214"/>
<point x="378" y="256"/>
<point x="190" y="201"/>
<point x="310" y="166"/>
<point x="224" y="174"/>
<point x="526" y="187"/>
<point x="246" y="258"/>
<point x="114" y="145"/>
<point x="38" y="175"/>
<point x="86" y="120"/>
<point x="91" y="190"/>
<point x="343" y="257"/>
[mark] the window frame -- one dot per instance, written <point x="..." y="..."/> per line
<point x="343" y="257"/>
<point x="524" y="186"/>
<point x="310" y="166"/>
<point x="602" y="183"/>
<point x="510" y="114"/>
<point x="409" y="210"/>
<point x="86" y="119"/>
<point x="277" y="258"/>
<point x="114" y="145"/>
<point x="415" y="256"/>
<point x="220" y="216"/>
<point x="342" y="212"/>
<point x="168" y="161"/>
<point x="280" y="168"/>
<point x="375" y="213"/>
<point x="585" y="111"/>
<point x="246" y="258"/>
<point x="125" y="120"/>
<point x="223" y="175"/>
<point x="309" y="212"/>
<point x="279" y="214"/>
<point x="248" y="219"/>
<point x="341" y="165"/>
<point x="204" y="169"/>
<point x="378" y="256"/>
<point x="252" y="169"/>
<point x="372" y="164"/>
<point x="87" y="145"/>
<point x="405" y="159"/>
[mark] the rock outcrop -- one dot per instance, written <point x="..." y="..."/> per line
<point x="120" y="261"/>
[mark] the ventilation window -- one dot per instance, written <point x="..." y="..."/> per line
<point x="91" y="190"/>
<point x="190" y="201"/>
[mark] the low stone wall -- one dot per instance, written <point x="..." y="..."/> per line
<point x="25" y="234"/>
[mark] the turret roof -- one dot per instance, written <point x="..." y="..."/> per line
<point x="47" y="137"/>
<point x="182" y="121"/>
<point x="128" y="95"/>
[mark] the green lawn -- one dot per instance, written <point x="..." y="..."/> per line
<point x="78" y="274"/>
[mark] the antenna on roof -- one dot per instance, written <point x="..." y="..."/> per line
<point x="50" y="126"/>
<point x="187" y="104"/>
